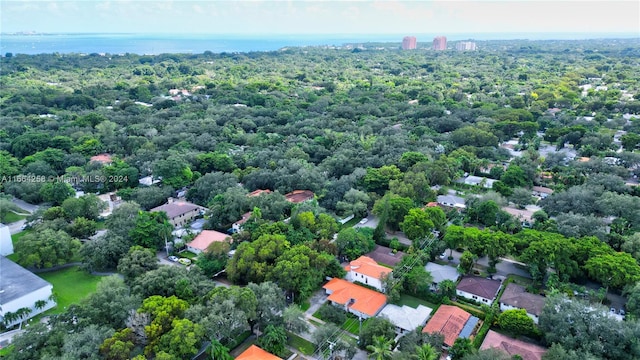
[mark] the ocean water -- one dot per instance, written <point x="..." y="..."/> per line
<point x="198" y="43"/>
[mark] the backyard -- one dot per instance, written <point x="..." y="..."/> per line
<point x="70" y="285"/>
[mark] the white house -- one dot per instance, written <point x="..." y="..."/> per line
<point x="478" y="289"/>
<point x="367" y="271"/>
<point x="22" y="289"/>
<point x="451" y="201"/>
<point x="237" y="226"/>
<point x="516" y="297"/>
<point x="440" y="273"/>
<point x="406" y="318"/>
<point x="478" y="181"/>
<point x="6" y="246"/>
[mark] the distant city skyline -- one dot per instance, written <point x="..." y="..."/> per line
<point x="320" y="17"/>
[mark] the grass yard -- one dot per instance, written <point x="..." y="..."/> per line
<point x="352" y="325"/>
<point x="305" y="305"/>
<point x="12" y="217"/>
<point x="5" y="351"/>
<point x="70" y="285"/>
<point x="351" y="222"/>
<point x="413" y="302"/>
<point x="304" y="346"/>
<point x="189" y="255"/>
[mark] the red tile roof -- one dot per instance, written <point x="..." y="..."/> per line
<point x="102" y="158"/>
<point x="367" y="266"/>
<point x="258" y="192"/>
<point x="365" y="301"/>
<point x="256" y="353"/>
<point x="449" y="321"/>
<point x="298" y="196"/>
<point x="512" y="346"/>
<point x="244" y="218"/>
<point x="206" y="238"/>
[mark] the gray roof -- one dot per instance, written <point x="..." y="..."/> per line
<point x="468" y="327"/>
<point x="176" y="208"/>
<point x="479" y="286"/>
<point x="16" y="281"/>
<point x="450" y="199"/>
<point x="516" y="296"/>
<point x="405" y="317"/>
<point x="442" y="272"/>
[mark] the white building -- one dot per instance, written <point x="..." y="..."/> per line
<point x="478" y="181"/>
<point x="478" y="289"/>
<point x="451" y="201"/>
<point x="405" y="318"/>
<point x="366" y="271"/>
<point x="466" y="46"/>
<point x="22" y="289"/>
<point x="6" y="246"/>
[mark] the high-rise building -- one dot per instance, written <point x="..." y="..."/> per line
<point x="440" y="43"/>
<point x="409" y="43"/>
<point x="466" y="46"/>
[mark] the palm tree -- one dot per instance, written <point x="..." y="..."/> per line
<point x="219" y="351"/>
<point x="9" y="317"/>
<point x="425" y="352"/>
<point x="40" y="304"/>
<point x="381" y="348"/>
<point x="23" y="313"/>
<point x="447" y="288"/>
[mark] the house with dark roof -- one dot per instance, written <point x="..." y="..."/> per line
<point x="19" y="289"/>
<point x="384" y="255"/>
<point x="355" y="299"/>
<point x="452" y="322"/>
<point x="512" y="347"/>
<point x="253" y="352"/>
<point x="207" y="237"/>
<point x="541" y="191"/>
<point x="478" y="289"/>
<point x="180" y="213"/>
<point x="299" y="196"/>
<point x="516" y="297"/>
<point x="367" y="271"/>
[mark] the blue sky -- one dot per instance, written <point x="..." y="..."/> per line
<point x="320" y="17"/>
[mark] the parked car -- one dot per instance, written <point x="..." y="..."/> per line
<point x="173" y="258"/>
<point x="184" y="261"/>
<point x="622" y="312"/>
<point x="364" y="221"/>
<point x="613" y="310"/>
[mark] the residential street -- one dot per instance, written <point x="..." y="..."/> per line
<point x="504" y="267"/>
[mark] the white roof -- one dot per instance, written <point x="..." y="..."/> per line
<point x="442" y="272"/>
<point x="405" y="317"/>
<point x="451" y="200"/>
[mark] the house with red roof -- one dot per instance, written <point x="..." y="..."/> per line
<point x="104" y="159"/>
<point x="355" y="299"/>
<point x="207" y="237"/>
<point x="512" y="347"/>
<point x="367" y="271"/>
<point x="237" y="226"/>
<point x="452" y="322"/>
<point x="299" y="196"/>
<point x="256" y="353"/>
<point x="258" y="192"/>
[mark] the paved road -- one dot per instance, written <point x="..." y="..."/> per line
<point x="25" y="205"/>
<point x="372" y="222"/>
<point x="503" y="268"/>
<point x="16" y="227"/>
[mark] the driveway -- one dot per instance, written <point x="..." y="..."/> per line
<point x="316" y="300"/>
<point x="16" y="227"/>
<point x="25" y="205"/>
<point x="372" y="222"/>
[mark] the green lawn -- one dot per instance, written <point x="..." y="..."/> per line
<point x="413" y="302"/>
<point x="304" y="346"/>
<point x="12" y="217"/>
<point x="188" y="255"/>
<point x="305" y="305"/>
<point x="351" y="222"/>
<point x="5" y="351"/>
<point x="70" y="285"/>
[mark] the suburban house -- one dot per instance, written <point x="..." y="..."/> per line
<point x="512" y="347"/>
<point x="516" y="297"/>
<point x="406" y="318"/>
<point x="440" y="273"/>
<point x="478" y="181"/>
<point x="148" y="181"/>
<point x="112" y="200"/>
<point x="180" y="213"/>
<point x="22" y="289"/>
<point x="256" y="353"/>
<point x="365" y="270"/>
<point x="299" y="196"/>
<point x="541" y="191"/>
<point x="6" y="245"/>
<point x="258" y="192"/>
<point x="355" y="299"/>
<point x="452" y="322"/>
<point x="104" y="159"/>
<point x="207" y="237"/>
<point x="451" y="201"/>
<point x="525" y="216"/>
<point x="384" y="255"/>
<point x="478" y="289"/>
<point x="237" y="226"/>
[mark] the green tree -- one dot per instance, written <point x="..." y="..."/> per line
<point x="425" y="352"/>
<point x="150" y="229"/>
<point x="392" y="209"/>
<point x="467" y="259"/>
<point x="56" y="192"/>
<point x="517" y="322"/>
<point x="183" y="340"/>
<point x="138" y="261"/>
<point x="119" y="346"/>
<point x="163" y="311"/>
<point x="46" y="248"/>
<point x="375" y="327"/>
<point x="353" y="243"/>
<point x="214" y="259"/>
<point x="274" y="340"/>
<point x="447" y="288"/>
<point x="380" y="348"/>
<point x="110" y="305"/>
<point x="417" y="225"/>
<point x="461" y="348"/>
<point x="218" y="351"/>
<point x="377" y="179"/>
<point x="613" y="270"/>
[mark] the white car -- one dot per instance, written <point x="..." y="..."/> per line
<point x="363" y="221"/>
<point x="173" y="258"/>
